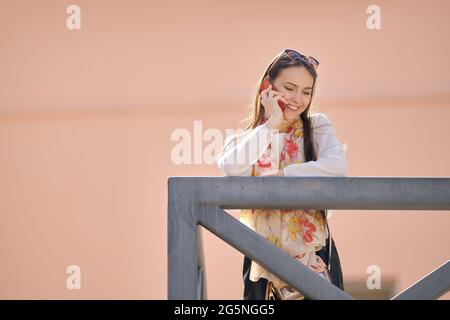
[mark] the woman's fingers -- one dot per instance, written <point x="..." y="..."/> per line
<point x="280" y="97"/>
<point x="276" y="93"/>
<point x="279" y="94"/>
<point x="271" y="94"/>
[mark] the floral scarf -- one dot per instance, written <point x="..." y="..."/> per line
<point x="298" y="232"/>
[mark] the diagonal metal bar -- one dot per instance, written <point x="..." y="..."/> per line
<point x="432" y="286"/>
<point x="268" y="255"/>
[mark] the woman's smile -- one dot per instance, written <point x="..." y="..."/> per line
<point x="294" y="108"/>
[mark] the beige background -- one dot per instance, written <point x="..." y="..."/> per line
<point x="86" y="117"/>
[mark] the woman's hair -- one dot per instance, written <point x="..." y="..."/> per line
<point x="280" y="62"/>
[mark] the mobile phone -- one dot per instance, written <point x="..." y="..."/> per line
<point x="265" y="84"/>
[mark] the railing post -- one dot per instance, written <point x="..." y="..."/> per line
<point x="201" y="289"/>
<point x="182" y="249"/>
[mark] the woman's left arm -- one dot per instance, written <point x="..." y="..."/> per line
<point x="331" y="158"/>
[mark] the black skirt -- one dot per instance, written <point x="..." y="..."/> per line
<point x="257" y="290"/>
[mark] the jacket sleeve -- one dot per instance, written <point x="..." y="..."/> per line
<point x="239" y="157"/>
<point x="331" y="158"/>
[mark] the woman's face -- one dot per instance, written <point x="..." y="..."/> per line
<point x="295" y="84"/>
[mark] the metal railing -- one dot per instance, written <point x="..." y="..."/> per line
<point x="195" y="202"/>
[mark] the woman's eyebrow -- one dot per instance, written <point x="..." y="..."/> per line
<point x="296" y="85"/>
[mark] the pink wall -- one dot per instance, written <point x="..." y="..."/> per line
<point x="86" y="118"/>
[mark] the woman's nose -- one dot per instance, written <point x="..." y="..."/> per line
<point x="298" y="99"/>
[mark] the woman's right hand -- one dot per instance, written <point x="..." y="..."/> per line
<point x="274" y="114"/>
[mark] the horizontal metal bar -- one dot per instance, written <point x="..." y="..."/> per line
<point x="432" y="286"/>
<point x="348" y="193"/>
<point x="268" y="255"/>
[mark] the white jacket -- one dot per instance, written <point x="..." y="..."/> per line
<point x="331" y="155"/>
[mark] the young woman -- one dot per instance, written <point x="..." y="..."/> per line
<point x="282" y="138"/>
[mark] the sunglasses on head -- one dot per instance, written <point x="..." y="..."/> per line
<point x="296" y="56"/>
